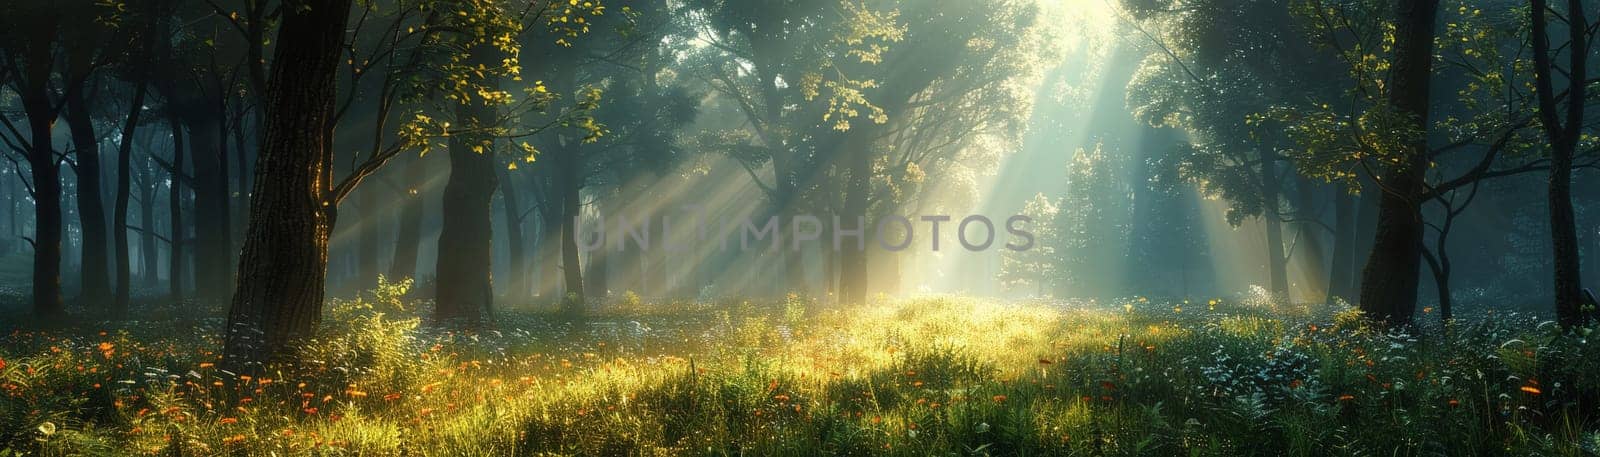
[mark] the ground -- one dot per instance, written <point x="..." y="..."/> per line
<point x="917" y="376"/>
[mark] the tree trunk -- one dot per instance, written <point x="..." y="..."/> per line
<point x="96" y="282"/>
<point x="1313" y="258"/>
<point x="150" y="272"/>
<point x="516" y="240"/>
<point x="119" y="217"/>
<point x="1563" y="141"/>
<point x="408" y="237"/>
<point x="1389" y="281"/>
<point x="46" y="178"/>
<point x="212" y="234"/>
<point x="569" y="184"/>
<point x="465" y="284"/>
<point x="175" y="233"/>
<point x="853" y="262"/>
<point x="1344" y="251"/>
<point x="278" y="298"/>
<point x="1277" y="268"/>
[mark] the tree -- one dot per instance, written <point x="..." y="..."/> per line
<point x="1034" y="268"/>
<point x="1563" y="138"/>
<point x="33" y="32"/>
<point x="1208" y="51"/>
<point x="278" y="298"/>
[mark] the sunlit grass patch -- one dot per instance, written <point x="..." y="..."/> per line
<point x="930" y="375"/>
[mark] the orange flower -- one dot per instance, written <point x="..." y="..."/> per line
<point x="227" y="420"/>
<point x="207" y="364"/>
<point x="2" y="363"/>
<point x="235" y="439"/>
<point x="1531" y="390"/>
<point x="1347" y="397"/>
<point x="1454" y="403"/>
<point x="999" y="398"/>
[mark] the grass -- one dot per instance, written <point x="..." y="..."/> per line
<point x="923" y="376"/>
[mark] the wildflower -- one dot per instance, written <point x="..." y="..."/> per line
<point x="1454" y="403"/>
<point x="228" y="420"/>
<point x="1347" y="397"/>
<point x="1531" y="390"/>
<point x="207" y="364"/>
<point x="235" y="439"/>
<point x="2" y="363"/>
<point x="999" y="398"/>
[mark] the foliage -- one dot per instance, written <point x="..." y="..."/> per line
<point x="925" y="376"/>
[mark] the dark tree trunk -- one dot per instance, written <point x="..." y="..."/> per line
<point x="852" y="261"/>
<point x="408" y="237"/>
<point x="465" y="281"/>
<point x="44" y="170"/>
<point x="239" y="204"/>
<point x="213" y="244"/>
<point x="150" y="273"/>
<point x="1277" y="268"/>
<point x="569" y="185"/>
<point x="547" y="241"/>
<point x="278" y="298"/>
<point x="1563" y="141"/>
<point x="119" y="217"/>
<point x="1344" y="252"/>
<point x="1389" y="281"/>
<point x="175" y="232"/>
<point x="517" y="286"/>
<point x="96" y="281"/>
<point x="1313" y="257"/>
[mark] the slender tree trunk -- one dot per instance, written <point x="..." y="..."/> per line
<point x="278" y="298"/>
<point x="465" y="284"/>
<point x="1563" y="142"/>
<point x="852" y="261"/>
<point x="120" y="214"/>
<point x="1344" y="251"/>
<point x="150" y="273"/>
<point x="175" y="235"/>
<point x="46" y="174"/>
<point x="1313" y="258"/>
<point x="574" y="299"/>
<point x="212" y="251"/>
<point x="96" y="282"/>
<point x="1277" y="265"/>
<point x="516" y="239"/>
<point x="1389" y="281"/>
<point x="408" y="237"/>
<point x="239" y="205"/>
<point x="1440" y="266"/>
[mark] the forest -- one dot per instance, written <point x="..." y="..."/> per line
<point x="799" y="227"/>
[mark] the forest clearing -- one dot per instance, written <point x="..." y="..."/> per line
<point x="917" y="376"/>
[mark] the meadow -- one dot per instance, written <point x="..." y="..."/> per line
<point x="936" y="375"/>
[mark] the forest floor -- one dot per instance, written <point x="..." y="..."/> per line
<point x="918" y="376"/>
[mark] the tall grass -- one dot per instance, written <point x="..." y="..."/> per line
<point x="924" y="376"/>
